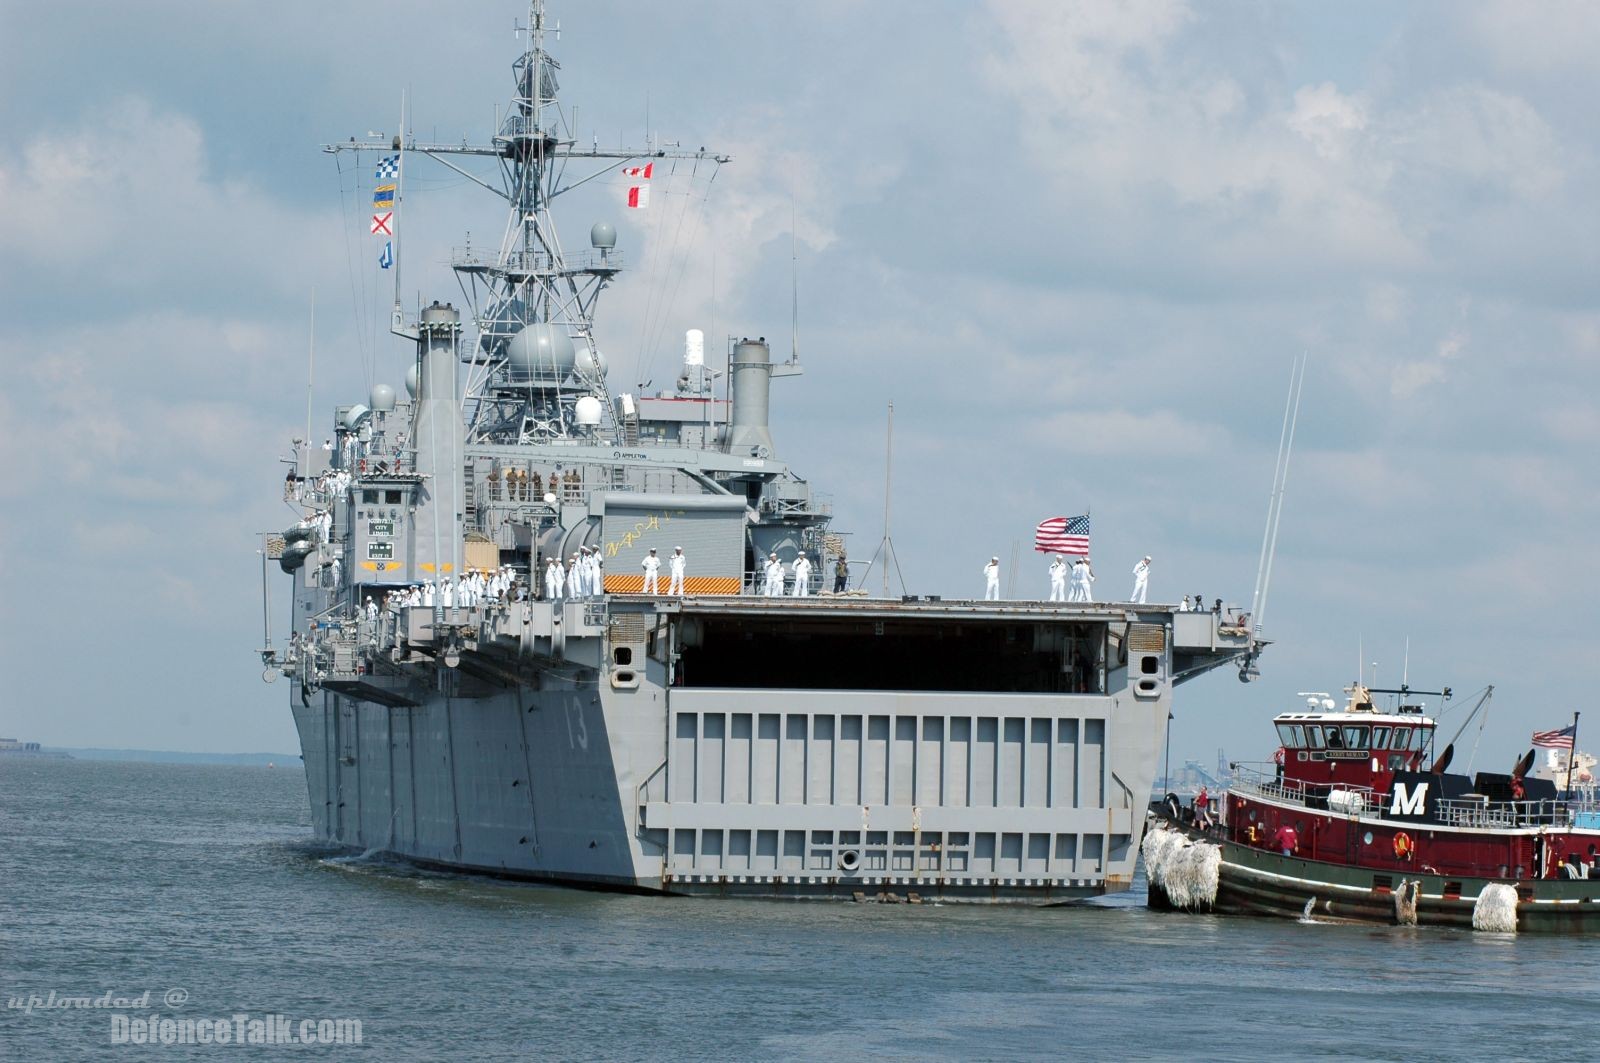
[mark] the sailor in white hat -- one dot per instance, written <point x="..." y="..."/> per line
<point x="1141" y="580"/>
<point x="652" y="565"/>
<point x="991" y="580"/>
<point x="676" y="564"/>
<point x="1058" y="579"/>
<point x="802" y="575"/>
<point x="774" y="574"/>
<point x="1082" y="577"/>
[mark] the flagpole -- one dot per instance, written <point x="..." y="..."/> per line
<point x="1572" y="756"/>
<point x="396" y="316"/>
<point x="311" y="376"/>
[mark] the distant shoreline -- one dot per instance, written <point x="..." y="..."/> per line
<point x="158" y="756"/>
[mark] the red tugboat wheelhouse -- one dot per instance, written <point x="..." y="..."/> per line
<point x="1357" y="821"/>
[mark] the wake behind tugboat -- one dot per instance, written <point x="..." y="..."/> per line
<point x="1361" y="823"/>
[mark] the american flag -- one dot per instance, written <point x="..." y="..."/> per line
<point x="1561" y="739"/>
<point x="1063" y="535"/>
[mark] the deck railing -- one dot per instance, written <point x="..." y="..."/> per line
<point x="1473" y="810"/>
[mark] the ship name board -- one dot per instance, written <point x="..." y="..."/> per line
<point x="381" y="529"/>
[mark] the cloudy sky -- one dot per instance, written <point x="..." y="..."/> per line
<point x="1076" y="244"/>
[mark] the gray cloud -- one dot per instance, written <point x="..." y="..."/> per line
<point x="1077" y="244"/>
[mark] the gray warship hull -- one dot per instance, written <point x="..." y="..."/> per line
<point x="580" y="771"/>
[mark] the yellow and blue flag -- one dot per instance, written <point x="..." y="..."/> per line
<point x="383" y="197"/>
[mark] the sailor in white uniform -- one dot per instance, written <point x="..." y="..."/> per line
<point x="774" y="574"/>
<point x="1058" y="580"/>
<point x="372" y="610"/>
<point x="652" y="565"/>
<point x="802" y="575"/>
<point x="1082" y="578"/>
<point x="553" y="581"/>
<point x="1141" y="580"/>
<point x="578" y="574"/>
<point x="991" y="580"/>
<point x="676" y="563"/>
<point x="597" y="580"/>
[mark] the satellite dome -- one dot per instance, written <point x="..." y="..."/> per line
<point x="590" y="360"/>
<point x="382" y="398"/>
<point x="603" y="235"/>
<point x="411" y="380"/>
<point x="587" y="411"/>
<point x="540" y="352"/>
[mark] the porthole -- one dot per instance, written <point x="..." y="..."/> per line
<point x="1366" y="839"/>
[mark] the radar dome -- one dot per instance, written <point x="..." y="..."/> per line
<point x="382" y="398"/>
<point x="603" y="235"/>
<point x="587" y="411"/>
<point x="590" y="360"/>
<point x="411" y="380"/>
<point x="540" y="352"/>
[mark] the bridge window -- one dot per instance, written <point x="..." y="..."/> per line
<point x="1293" y="735"/>
<point x="1402" y="738"/>
<point x="1334" y="738"/>
<point x="1380" y="738"/>
<point x="1314" y="735"/>
<point x="1355" y="737"/>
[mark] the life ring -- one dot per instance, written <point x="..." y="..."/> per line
<point x="1403" y="846"/>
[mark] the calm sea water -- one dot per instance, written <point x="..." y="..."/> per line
<point x="200" y="881"/>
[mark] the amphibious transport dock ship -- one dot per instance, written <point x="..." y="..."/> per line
<point x="715" y="742"/>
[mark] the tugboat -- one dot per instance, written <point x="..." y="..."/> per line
<point x="1357" y="821"/>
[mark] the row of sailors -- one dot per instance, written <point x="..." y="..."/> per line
<point x="328" y="485"/>
<point x="521" y="485"/>
<point x="1081" y="574"/>
<point x="471" y="588"/>
<point x="581" y="577"/>
<point x="773" y="575"/>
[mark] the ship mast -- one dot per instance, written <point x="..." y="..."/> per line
<point x="534" y="357"/>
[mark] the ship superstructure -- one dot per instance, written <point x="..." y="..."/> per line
<point x="718" y="741"/>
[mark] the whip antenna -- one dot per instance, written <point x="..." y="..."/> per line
<point x="1280" y="480"/>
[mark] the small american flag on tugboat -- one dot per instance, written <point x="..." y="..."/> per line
<point x="1063" y="535"/>
<point x="1561" y="739"/>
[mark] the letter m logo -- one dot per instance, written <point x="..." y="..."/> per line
<point x="1406" y="803"/>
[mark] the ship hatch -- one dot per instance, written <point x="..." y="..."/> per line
<point x="919" y="654"/>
